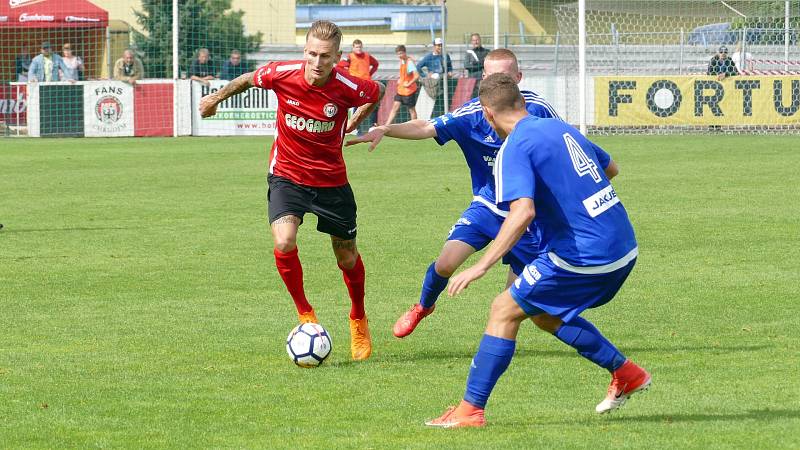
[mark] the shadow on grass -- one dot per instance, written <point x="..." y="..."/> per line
<point x="58" y="230"/>
<point x="444" y="354"/>
<point x="754" y="414"/>
<point x="695" y="348"/>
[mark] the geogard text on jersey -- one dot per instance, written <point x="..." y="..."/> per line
<point x="312" y="125"/>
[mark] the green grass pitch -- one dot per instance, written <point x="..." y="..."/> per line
<point x="140" y="306"/>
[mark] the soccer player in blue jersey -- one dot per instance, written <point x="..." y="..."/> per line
<point x="550" y="175"/>
<point x="479" y="224"/>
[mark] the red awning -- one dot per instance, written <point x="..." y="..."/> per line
<point x="51" y="14"/>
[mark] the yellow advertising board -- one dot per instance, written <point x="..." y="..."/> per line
<point x="696" y="100"/>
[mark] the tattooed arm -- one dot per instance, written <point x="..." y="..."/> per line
<point x="208" y="104"/>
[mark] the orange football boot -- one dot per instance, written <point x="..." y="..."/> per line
<point x="464" y="415"/>
<point x="625" y="381"/>
<point x="360" y="340"/>
<point x="308" y="317"/>
<point x="406" y="324"/>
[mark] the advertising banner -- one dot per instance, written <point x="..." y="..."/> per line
<point x="697" y="100"/>
<point x="108" y="109"/>
<point x="14" y="104"/>
<point x="251" y="113"/>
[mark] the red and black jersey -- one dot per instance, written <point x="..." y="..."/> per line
<point x="311" y="121"/>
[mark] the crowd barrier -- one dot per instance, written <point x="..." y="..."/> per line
<point x="169" y="108"/>
<point x="153" y="107"/>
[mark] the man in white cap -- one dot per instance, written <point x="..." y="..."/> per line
<point x="432" y="64"/>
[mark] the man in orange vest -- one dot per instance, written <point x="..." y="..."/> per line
<point x="362" y="65"/>
<point x="407" y="88"/>
<point x="359" y="63"/>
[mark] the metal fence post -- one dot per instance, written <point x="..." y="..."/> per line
<point x="615" y="41"/>
<point x="680" y="57"/>
<point x="555" y="56"/>
<point x="175" y="67"/>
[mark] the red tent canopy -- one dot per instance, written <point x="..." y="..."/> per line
<point x="51" y="14"/>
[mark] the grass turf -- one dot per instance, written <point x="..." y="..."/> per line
<point x="141" y="307"/>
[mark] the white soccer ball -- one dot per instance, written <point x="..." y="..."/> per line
<point x="308" y="345"/>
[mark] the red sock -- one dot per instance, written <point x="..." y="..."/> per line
<point x="354" y="279"/>
<point x="292" y="273"/>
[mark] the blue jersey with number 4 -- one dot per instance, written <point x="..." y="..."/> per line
<point x="578" y="214"/>
<point x="476" y="138"/>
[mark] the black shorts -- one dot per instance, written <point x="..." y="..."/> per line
<point x="409" y="101"/>
<point x="334" y="206"/>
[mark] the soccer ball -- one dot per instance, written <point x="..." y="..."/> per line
<point x="308" y="345"/>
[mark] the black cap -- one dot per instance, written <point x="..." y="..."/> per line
<point x="723" y="49"/>
<point x="45" y="44"/>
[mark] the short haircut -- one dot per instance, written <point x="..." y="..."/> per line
<point x="202" y="51"/>
<point x="67" y="46"/>
<point x="127" y="50"/>
<point x="236" y="52"/>
<point x="500" y="92"/>
<point x="400" y="48"/>
<point x="358" y="42"/>
<point x="500" y="54"/>
<point x="325" y="30"/>
<point x="474" y="34"/>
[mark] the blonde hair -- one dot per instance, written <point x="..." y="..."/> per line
<point x="325" y="30"/>
<point x="502" y="54"/>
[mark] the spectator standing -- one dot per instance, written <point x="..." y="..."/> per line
<point x="743" y="60"/>
<point x="473" y="58"/>
<point x="432" y="67"/>
<point x="721" y="65"/>
<point x="432" y="64"/>
<point x="22" y="63"/>
<point x="407" y="89"/>
<point x="46" y="66"/>
<point x="202" y="69"/>
<point x="73" y="65"/>
<point x="233" y="67"/>
<point x="359" y="63"/>
<point x="129" y="68"/>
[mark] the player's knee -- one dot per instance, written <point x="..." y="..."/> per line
<point x="445" y="268"/>
<point x="346" y="260"/>
<point x="502" y="310"/>
<point x="285" y="244"/>
<point x="546" y="322"/>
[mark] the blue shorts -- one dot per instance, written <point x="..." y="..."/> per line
<point x="544" y="287"/>
<point x="479" y="225"/>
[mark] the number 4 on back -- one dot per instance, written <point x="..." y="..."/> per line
<point x="580" y="160"/>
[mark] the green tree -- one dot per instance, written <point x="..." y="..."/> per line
<point x="765" y="22"/>
<point x="203" y="24"/>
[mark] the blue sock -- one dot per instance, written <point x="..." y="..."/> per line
<point x="493" y="357"/>
<point x="432" y="286"/>
<point x="581" y="335"/>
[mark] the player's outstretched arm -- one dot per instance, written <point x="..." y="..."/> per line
<point x="413" y="129"/>
<point x="522" y="212"/>
<point x="208" y="104"/>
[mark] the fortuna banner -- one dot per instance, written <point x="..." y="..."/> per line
<point x="697" y="100"/>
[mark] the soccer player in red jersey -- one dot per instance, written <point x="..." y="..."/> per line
<point x="306" y="167"/>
